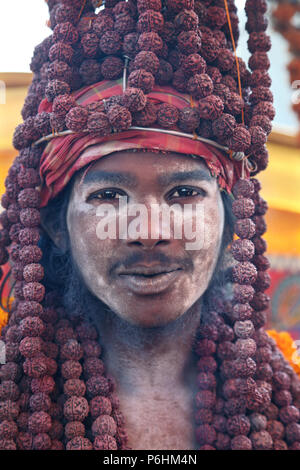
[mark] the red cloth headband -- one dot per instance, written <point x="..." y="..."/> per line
<point x="63" y="156"/>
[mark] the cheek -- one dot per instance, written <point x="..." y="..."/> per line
<point x="205" y="258"/>
<point x="90" y="254"/>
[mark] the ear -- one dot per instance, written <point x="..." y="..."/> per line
<point x="54" y="230"/>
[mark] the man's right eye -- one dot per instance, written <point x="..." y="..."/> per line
<point x="106" y="194"/>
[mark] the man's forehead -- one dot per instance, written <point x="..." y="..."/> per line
<point x="129" y="167"/>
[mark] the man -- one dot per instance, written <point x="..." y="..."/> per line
<point x="151" y="287"/>
<point x="122" y="335"/>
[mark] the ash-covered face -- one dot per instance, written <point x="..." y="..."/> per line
<point x="149" y="278"/>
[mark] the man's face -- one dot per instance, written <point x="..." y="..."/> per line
<point x="150" y="278"/>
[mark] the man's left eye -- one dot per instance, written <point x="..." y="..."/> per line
<point x="187" y="192"/>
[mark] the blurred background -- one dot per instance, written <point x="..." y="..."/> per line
<point x="23" y="26"/>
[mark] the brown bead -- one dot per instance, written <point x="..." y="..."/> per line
<point x="205" y="434"/>
<point x="79" y="443"/>
<point x="104" y="424"/>
<point x="242" y="250"/>
<point x="289" y="414"/>
<point x="35" y="367"/>
<point x="206" y="364"/>
<point x="29" y="346"/>
<point x="205" y="347"/>
<point x="293" y="432"/>
<point x="8" y="430"/>
<point x="167" y="115"/>
<point x="142" y="79"/>
<point x="203" y="416"/>
<point x="134" y="99"/>
<point x="222" y="442"/>
<point x="105" y="442"/>
<point x="243" y="208"/>
<point x="244" y="273"/>
<point x="91" y="348"/>
<point x="74" y="429"/>
<point x="10" y="371"/>
<point x="97" y="385"/>
<point x="238" y="425"/>
<point x="72" y="350"/>
<point x="258" y="422"/>
<point x="219" y="422"/>
<point x="9" y="410"/>
<point x="242" y="312"/>
<point x="93" y="366"/>
<point x="260" y="301"/>
<point x="278" y="444"/>
<point x="7" y="444"/>
<point x="56" y="431"/>
<point x="30" y="254"/>
<point x="241" y="443"/>
<point x="282" y="398"/>
<point x="76" y="409"/>
<point x="71" y="370"/>
<point x="33" y="272"/>
<point x="119" y="117"/>
<point x="206" y="381"/>
<point x="64" y="334"/>
<point x="43" y="384"/>
<point x="281" y="380"/>
<point x="39" y="422"/>
<point x="9" y="390"/>
<point x="40" y="402"/>
<point x="261" y="440"/>
<point x="100" y="405"/>
<point x="74" y="387"/>
<point x="245" y="348"/>
<point x="205" y="399"/>
<point x="243" y="188"/>
<point x="275" y="429"/>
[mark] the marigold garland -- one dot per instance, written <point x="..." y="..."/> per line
<point x="4" y="316"/>
<point x="3" y="319"/>
<point x="287" y="346"/>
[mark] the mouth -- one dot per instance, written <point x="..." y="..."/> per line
<point x="149" y="280"/>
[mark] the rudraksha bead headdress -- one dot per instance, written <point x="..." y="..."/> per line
<point x="133" y="74"/>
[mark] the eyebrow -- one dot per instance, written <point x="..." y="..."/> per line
<point x="184" y="176"/>
<point x="130" y="180"/>
<point x="111" y="177"/>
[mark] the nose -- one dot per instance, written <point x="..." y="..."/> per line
<point x="147" y="244"/>
<point x="149" y="232"/>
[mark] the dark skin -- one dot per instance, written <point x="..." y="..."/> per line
<point x="147" y="333"/>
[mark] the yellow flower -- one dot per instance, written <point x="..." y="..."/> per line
<point x="3" y="319"/>
<point x="287" y="346"/>
<point x="4" y="315"/>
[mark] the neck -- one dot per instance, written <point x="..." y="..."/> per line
<point x="144" y="359"/>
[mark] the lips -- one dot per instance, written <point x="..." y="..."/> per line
<point x="147" y="280"/>
<point x="149" y="270"/>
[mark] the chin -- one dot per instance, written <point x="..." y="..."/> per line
<point x="149" y="313"/>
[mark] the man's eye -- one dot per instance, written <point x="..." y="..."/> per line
<point x="106" y="194"/>
<point x="187" y="192"/>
